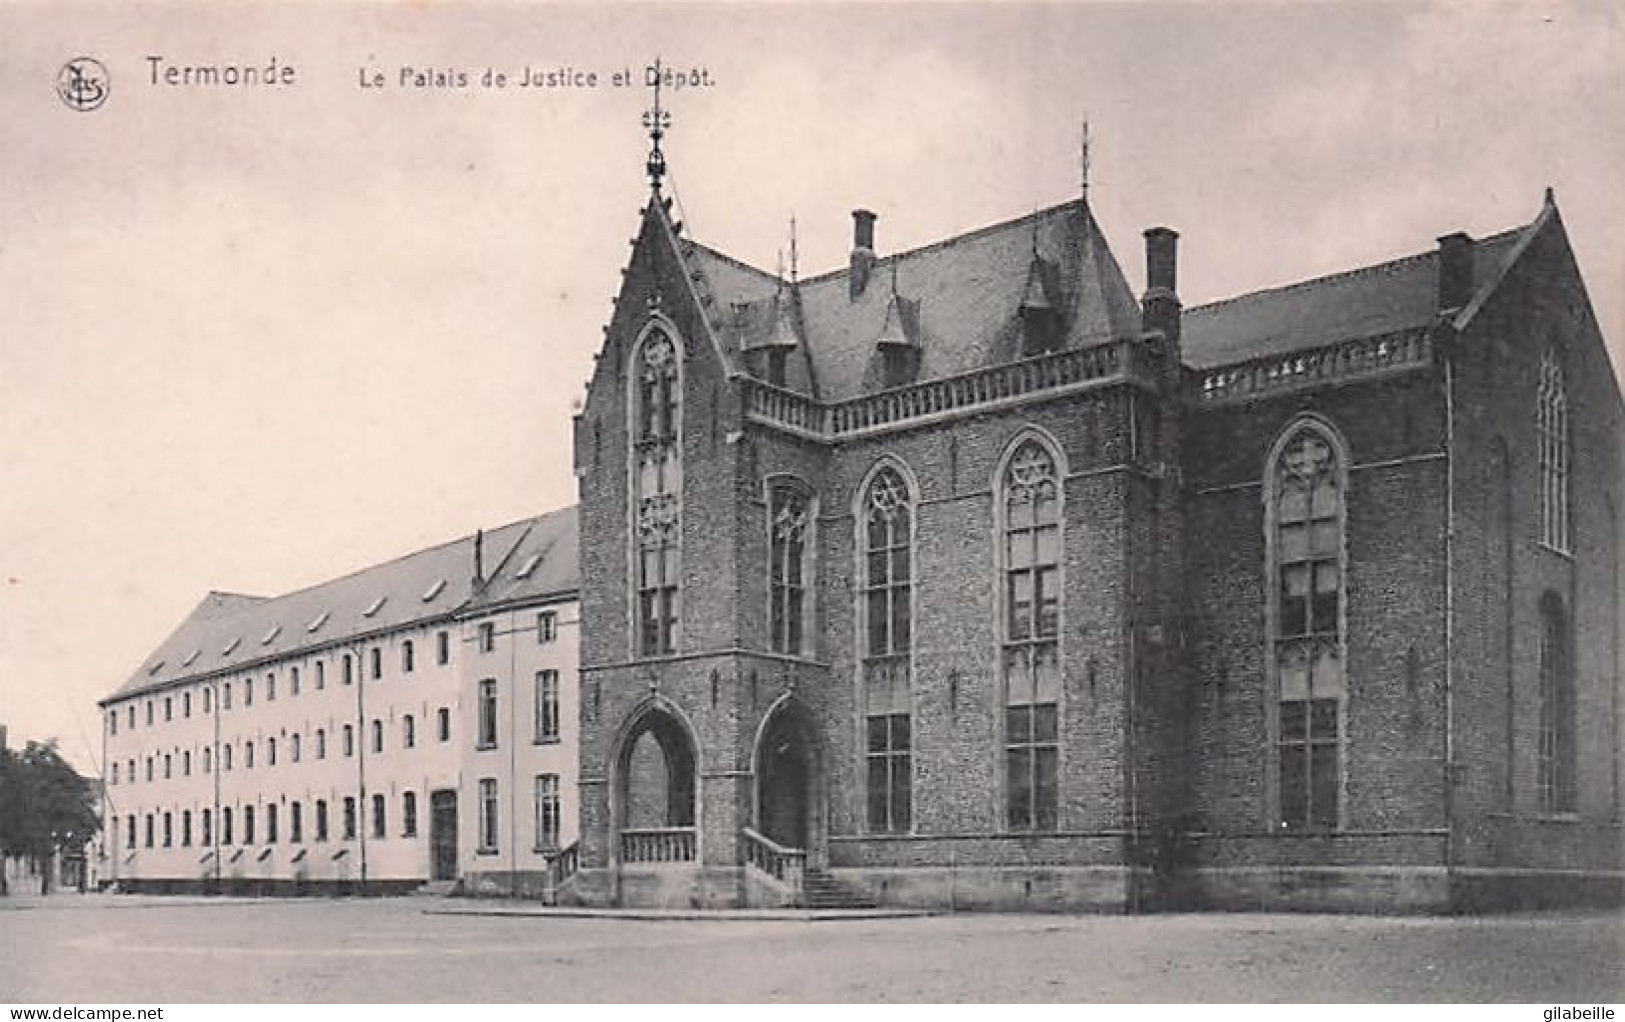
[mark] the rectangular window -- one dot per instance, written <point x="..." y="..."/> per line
<point x="207" y="700"/>
<point x="349" y="818"/>
<point x="349" y="740"/>
<point x="890" y="778"/>
<point x="321" y="743"/>
<point x="169" y="830"/>
<point x="321" y="675"/>
<point x="296" y="822"/>
<point x="548" y="814"/>
<point x="442" y="643"/>
<point x="547" y="706"/>
<point x="349" y="670"/>
<point x="225" y="696"/>
<point x="1308" y="763"/>
<point x="321" y="819"/>
<point x="443" y="724"/>
<point x="407" y="654"/>
<point x="378" y="827"/>
<point x="225" y="826"/>
<point x="248" y="691"/>
<point x="270" y="823"/>
<point x="487" y="714"/>
<point x="488" y="814"/>
<point x="208" y="829"/>
<point x="186" y="828"/>
<point x="293" y="682"/>
<point x="409" y="814"/>
<point x="112" y="722"/>
<point x="129" y="831"/>
<point x="270" y="688"/>
<point x="488" y="637"/>
<point x="186" y="704"/>
<point x="547" y="626"/>
<point x="377" y="657"/>
<point x="248" y="825"/>
<point x="169" y="708"/>
<point x="377" y="736"/>
<point x="409" y="732"/>
<point x="1031" y="752"/>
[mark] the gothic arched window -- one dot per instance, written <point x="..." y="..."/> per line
<point x="1306" y="489"/>
<point x="657" y="481"/>
<point x="886" y="537"/>
<point x="1557" y="710"/>
<point x="1552" y="429"/>
<point x="1030" y="489"/>
<point x="789" y="523"/>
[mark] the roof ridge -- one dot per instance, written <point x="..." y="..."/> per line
<point x="1385" y="265"/>
<point x="732" y="261"/>
<point x="941" y="243"/>
<point x="466" y="537"/>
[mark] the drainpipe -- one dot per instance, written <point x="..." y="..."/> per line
<point x="214" y="770"/>
<point x="362" y="810"/>
<point x="1447" y="337"/>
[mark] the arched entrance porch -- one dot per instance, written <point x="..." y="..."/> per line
<point x="655" y="788"/>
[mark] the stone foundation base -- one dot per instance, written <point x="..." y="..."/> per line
<point x="267" y="887"/>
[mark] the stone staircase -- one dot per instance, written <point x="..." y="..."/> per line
<point x="819" y="890"/>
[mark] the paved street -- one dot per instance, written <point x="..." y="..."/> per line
<point x="133" y="949"/>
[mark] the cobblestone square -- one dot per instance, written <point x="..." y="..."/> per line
<point x="136" y="950"/>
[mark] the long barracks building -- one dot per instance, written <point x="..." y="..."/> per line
<point x="411" y="722"/>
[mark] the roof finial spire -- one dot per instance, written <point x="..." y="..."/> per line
<point x="795" y="269"/>
<point x="656" y="120"/>
<point x="1083" y="158"/>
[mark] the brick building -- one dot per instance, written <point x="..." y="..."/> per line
<point x="962" y="577"/>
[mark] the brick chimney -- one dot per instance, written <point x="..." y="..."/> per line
<point x="1159" y="308"/>
<point x="1455" y="271"/>
<point x="863" y="251"/>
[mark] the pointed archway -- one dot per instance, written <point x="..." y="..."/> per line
<point x="655" y="793"/>
<point x="789" y="778"/>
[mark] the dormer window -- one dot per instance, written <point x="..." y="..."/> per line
<point x="1040" y="311"/>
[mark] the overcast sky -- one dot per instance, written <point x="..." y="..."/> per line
<point x="251" y="339"/>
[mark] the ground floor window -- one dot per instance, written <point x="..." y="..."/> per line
<point x="547" y="811"/>
<point x="1031" y="755"/>
<point x="890" y="772"/>
<point x="488" y="814"/>
<point x="1308" y="750"/>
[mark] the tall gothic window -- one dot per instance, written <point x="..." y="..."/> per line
<point x="1031" y="491"/>
<point x="886" y="519"/>
<point x="1552" y="428"/>
<point x="1307" y="482"/>
<point x="658" y="484"/>
<point x="789" y="517"/>
<point x="1556" y="759"/>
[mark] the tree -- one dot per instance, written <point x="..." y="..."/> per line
<point x="45" y="806"/>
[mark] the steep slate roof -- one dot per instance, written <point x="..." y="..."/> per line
<point x="969" y="291"/>
<point x="1396" y="295"/>
<point x="228" y="632"/>
<point x="543" y="563"/>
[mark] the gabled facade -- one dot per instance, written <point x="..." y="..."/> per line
<point x="961" y="578"/>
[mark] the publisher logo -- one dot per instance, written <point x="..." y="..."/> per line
<point x="83" y="83"/>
